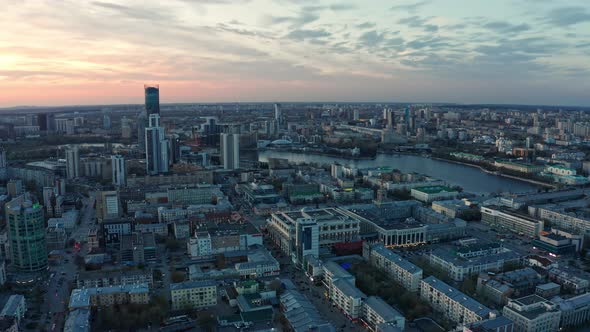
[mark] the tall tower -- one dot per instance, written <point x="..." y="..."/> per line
<point x="118" y="169"/>
<point x="230" y="151"/>
<point x="156" y="147"/>
<point x="72" y="163"/>
<point x="3" y="164"/>
<point x="152" y="99"/>
<point x="26" y="232"/>
<point x="278" y="114"/>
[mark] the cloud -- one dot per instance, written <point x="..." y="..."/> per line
<point x="568" y="16"/>
<point x="506" y="27"/>
<point x="411" y="7"/>
<point x="300" y="35"/>
<point x="371" y="38"/>
<point x="366" y="25"/>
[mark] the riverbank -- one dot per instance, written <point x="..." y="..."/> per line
<point x="498" y="173"/>
<point x="320" y="153"/>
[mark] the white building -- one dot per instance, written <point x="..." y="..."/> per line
<point x="453" y="304"/>
<point x="533" y="314"/>
<point x="193" y="294"/>
<point x="401" y="270"/>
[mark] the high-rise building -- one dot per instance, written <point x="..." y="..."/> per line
<point x="278" y="114"/>
<point x="2" y="157"/>
<point x="152" y="99"/>
<point x="106" y="120"/>
<point x="72" y="163"/>
<point x="210" y="131"/>
<point x="156" y="147"/>
<point x="3" y="164"/>
<point x="141" y="125"/>
<point x="26" y="233"/>
<point x="46" y="121"/>
<point x="307" y="239"/>
<point x="355" y="115"/>
<point x="14" y="187"/>
<point x="118" y="169"/>
<point x="390" y="118"/>
<point x="230" y="151"/>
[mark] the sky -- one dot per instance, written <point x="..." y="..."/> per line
<point x="71" y="52"/>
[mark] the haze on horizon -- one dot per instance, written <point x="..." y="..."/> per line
<point x="102" y="52"/>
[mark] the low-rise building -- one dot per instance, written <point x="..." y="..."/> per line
<point x="533" y="314"/>
<point x="575" y="311"/>
<point x="433" y="193"/>
<point x="511" y="220"/>
<point x="301" y="314"/>
<point x="84" y="298"/>
<point x="78" y="321"/>
<point x="193" y="294"/>
<point x="114" y="277"/>
<point x="460" y="268"/>
<point x="452" y="303"/>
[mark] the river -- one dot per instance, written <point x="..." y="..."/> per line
<point x="470" y="178"/>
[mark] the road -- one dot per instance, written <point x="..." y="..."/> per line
<point x="62" y="277"/>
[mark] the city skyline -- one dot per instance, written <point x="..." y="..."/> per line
<point x="522" y="52"/>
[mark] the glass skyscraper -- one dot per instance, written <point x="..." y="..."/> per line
<point x="152" y="99"/>
<point x="26" y="232"/>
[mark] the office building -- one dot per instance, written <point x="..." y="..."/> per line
<point x="452" y="303"/>
<point x="296" y="232"/>
<point x="114" y="277"/>
<point x="152" y="99"/>
<point x="72" y="162"/>
<point x="26" y="232"/>
<point x="533" y="314"/>
<point x="106" y="120"/>
<point x="404" y="272"/>
<point x="433" y="193"/>
<point x="193" y="294"/>
<point x="156" y="146"/>
<point x="498" y="324"/>
<point x="118" y="170"/>
<point x="230" y="151"/>
<point x="108" y="205"/>
<point x="511" y="220"/>
<point x="3" y="160"/>
<point x="575" y="311"/>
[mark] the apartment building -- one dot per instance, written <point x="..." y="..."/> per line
<point x="193" y="294"/>
<point x="377" y="313"/>
<point x="81" y="298"/>
<point x="399" y="269"/>
<point x="452" y="303"/>
<point x="114" y="277"/>
<point x="575" y="311"/>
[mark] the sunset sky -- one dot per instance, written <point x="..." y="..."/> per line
<point x="64" y="52"/>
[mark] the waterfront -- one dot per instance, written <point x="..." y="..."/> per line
<point x="470" y="178"/>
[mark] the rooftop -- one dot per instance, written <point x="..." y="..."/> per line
<point x="457" y="296"/>
<point x="435" y="189"/>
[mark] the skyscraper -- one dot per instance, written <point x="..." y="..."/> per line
<point x="230" y="151"/>
<point x="152" y="99"/>
<point x="278" y="114"/>
<point x="156" y="147"/>
<point x="72" y="163"/>
<point x="141" y="125"/>
<point x="14" y="187"/>
<point x="118" y="169"/>
<point x="106" y="119"/>
<point x="390" y="117"/>
<point x="3" y="164"/>
<point x="26" y="233"/>
<point x="2" y="157"/>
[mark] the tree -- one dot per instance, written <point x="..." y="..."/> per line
<point x="207" y="320"/>
<point x="276" y="286"/>
<point x="177" y="276"/>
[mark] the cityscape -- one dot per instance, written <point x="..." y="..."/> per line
<point x="296" y="203"/>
